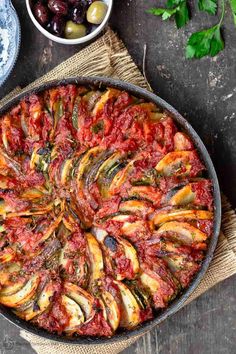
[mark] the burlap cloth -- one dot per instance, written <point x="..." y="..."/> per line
<point x="109" y="57"/>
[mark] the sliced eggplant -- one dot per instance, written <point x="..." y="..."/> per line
<point x="23" y="295"/>
<point x="164" y="216"/>
<point x="175" y="162"/>
<point x="96" y="258"/>
<point x="74" y="311"/>
<point x="182" y="232"/>
<point x="112" y="310"/>
<point x="38" y="306"/>
<point x="130" y="310"/>
<point x="81" y="297"/>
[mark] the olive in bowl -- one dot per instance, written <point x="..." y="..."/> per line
<point x="69" y="21"/>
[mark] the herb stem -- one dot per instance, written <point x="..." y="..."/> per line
<point x="222" y="12"/>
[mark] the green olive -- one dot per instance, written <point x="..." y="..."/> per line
<point x="73" y="31"/>
<point x="96" y="12"/>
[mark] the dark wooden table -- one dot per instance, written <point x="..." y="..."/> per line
<point x="204" y="92"/>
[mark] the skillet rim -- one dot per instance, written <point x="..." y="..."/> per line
<point x="176" y="304"/>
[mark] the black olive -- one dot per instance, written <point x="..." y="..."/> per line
<point x="58" y="7"/>
<point x="111" y="243"/>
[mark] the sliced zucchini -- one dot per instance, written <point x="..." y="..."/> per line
<point x="23" y="295"/>
<point x="150" y="282"/>
<point x="183" y="232"/>
<point x="7" y="272"/>
<point x="86" y="161"/>
<point x="38" y="306"/>
<point x="175" y="162"/>
<point x="75" y="313"/>
<point x="112" y="309"/>
<point x="170" y="215"/>
<point x="96" y="258"/>
<point x="51" y="228"/>
<point x="81" y="297"/>
<point x="130" y="310"/>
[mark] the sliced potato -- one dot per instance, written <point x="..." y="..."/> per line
<point x="96" y="258"/>
<point x="130" y="253"/>
<point x="75" y="313"/>
<point x="150" y="282"/>
<point x="177" y="162"/>
<point x="169" y="215"/>
<point x="81" y="297"/>
<point x="23" y="295"/>
<point x="183" y="232"/>
<point x="11" y="289"/>
<point x="184" y="196"/>
<point x="130" y="310"/>
<point x="112" y="310"/>
<point x="120" y="178"/>
<point x="110" y="93"/>
<point x="67" y="166"/>
<point x="139" y="207"/>
<point x="42" y="303"/>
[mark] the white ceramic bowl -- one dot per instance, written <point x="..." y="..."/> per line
<point x="84" y="39"/>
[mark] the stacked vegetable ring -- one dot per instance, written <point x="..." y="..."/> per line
<point x="105" y="210"/>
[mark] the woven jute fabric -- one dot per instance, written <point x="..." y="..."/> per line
<point x="109" y="57"/>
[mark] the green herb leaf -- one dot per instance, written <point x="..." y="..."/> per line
<point x="206" y="42"/>
<point x="164" y="13"/>
<point x="209" y="6"/>
<point x="233" y="8"/>
<point x="182" y="15"/>
<point x="178" y="8"/>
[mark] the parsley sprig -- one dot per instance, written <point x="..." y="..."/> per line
<point x="208" y="41"/>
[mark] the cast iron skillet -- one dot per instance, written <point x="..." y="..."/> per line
<point x="179" y="301"/>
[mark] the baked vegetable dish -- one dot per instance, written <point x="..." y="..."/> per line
<point x="106" y="210"/>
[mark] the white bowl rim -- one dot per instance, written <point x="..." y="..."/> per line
<point x="81" y="40"/>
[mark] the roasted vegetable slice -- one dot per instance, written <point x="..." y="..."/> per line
<point x="137" y="207"/>
<point x="39" y="305"/>
<point x="75" y="313"/>
<point x="112" y="310"/>
<point x="130" y="310"/>
<point x="23" y="295"/>
<point x="109" y="94"/>
<point x="179" y="163"/>
<point x="182" y="232"/>
<point x="163" y="216"/>
<point x="81" y="297"/>
<point x="96" y="259"/>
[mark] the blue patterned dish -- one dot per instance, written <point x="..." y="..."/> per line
<point x="9" y="38"/>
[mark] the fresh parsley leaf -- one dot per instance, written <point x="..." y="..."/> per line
<point x="233" y="8"/>
<point x="180" y="12"/>
<point x="182" y="15"/>
<point x="209" y="6"/>
<point x="164" y="13"/>
<point x="206" y="42"/>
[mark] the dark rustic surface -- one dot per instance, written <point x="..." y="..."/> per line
<point x="203" y="91"/>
